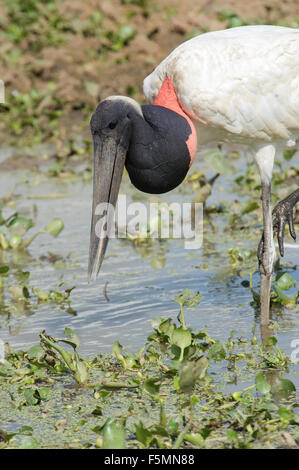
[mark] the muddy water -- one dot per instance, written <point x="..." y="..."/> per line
<point x="142" y="282"/>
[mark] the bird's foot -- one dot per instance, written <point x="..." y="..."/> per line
<point x="282" y="214"/>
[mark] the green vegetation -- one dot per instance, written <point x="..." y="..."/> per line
<point x="184" y="388"/>
<point x="174" y="386"/>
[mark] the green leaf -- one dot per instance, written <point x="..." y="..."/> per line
<point x="284" y="299"/>
<point x="288" y="154"/>
<point x="20" y="225"/>
<point x="35" y="352"/>
<point x="4" y="270"/>
<point x="252" y="206"/>
<point x="117" y="353"/>
<point x="217" y="351"/>
<point x="181" y="338"/>
<point x="233" y="436"/>
<point x="195" y="438"/>
<point x="284" y="281"/>
<point x="44" y="392"/>
<point x="27" y="430"/>
<point x="72" y="336"/>
<point x="143" y="435"/>
<point x="285" y="414"/>
<point x="40" y="294"/>
<point x="29" y="442"/>
<point x="283" y="387"/>
<point x="32" y="397"/>
<point x="15" y="241"/>
<point x="261" y="384"/>
<point x="272" y="341"/>
<point x="152" y="386"/>
<point x="81" y="371"/>
<point x="97" y="411"/>
<point x="191" y="372"/>
<point x="55" y="227"/>
<point x="113" y="435"/>
<point x="173" y="425"/>
<point x="188" y="298"/>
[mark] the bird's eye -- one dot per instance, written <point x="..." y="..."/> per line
<point x="112" y="125"/>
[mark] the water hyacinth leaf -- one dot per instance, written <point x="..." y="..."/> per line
<point x="32" y="397"/>
<point x="163" y="326"/>
<point x="55" y="227"/>
<point x="20" y="225"/>
<point x="217" y="351"/>
<point x="272" y="341"/>
<point x="15" y="241"/>
<point x="191" y="372"/>
<point x="113" y="435"/>
<point x="72" y="336"/>
<point x="233" y="436"/>
<point x="97" y="411"/>
<point x="181" y="338"/>
<point x="29" y="442"/>
<point x="152" y="386"/>
<point x="288" y="154"/>
<point x="188" y="298"/>
<point x="285" y="414"/>
<point x="195" y="439"/>
<point x="284" y="281"/>
<point x="261" y="384"/>
<point x="81" y="372"/>
<point x="143" y="435"/>
<point x="4" y="270"/>
<point x="44" y="392"/>
<point x="36" y="352"/>
<point x="173" y="425"/>
<point x="117" y="353"/>
<point x="282" y="298"/>
<point x="283" y="387"/>
<point x="41" y="295"/>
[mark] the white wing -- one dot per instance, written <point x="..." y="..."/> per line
<point x="242" y="81"/>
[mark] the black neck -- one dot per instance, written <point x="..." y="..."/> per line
<point x="158" y="158"/>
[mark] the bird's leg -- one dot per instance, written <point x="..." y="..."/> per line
<point x="265" y="158"/>
<point x="267" y="255"/>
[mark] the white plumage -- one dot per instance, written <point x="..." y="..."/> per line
<point x="239" y="85"/>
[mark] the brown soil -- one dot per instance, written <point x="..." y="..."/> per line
<point x="158" y="30"/>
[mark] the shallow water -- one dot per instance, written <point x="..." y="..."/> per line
<point x="140" y="286"/>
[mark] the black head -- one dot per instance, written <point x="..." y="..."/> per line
<point x="150" y="141"/>
<point x="111" y="115"/>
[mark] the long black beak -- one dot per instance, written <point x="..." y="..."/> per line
<point x="109" y="160"/>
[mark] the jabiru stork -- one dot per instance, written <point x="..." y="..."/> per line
<point x="239" y="85"/>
